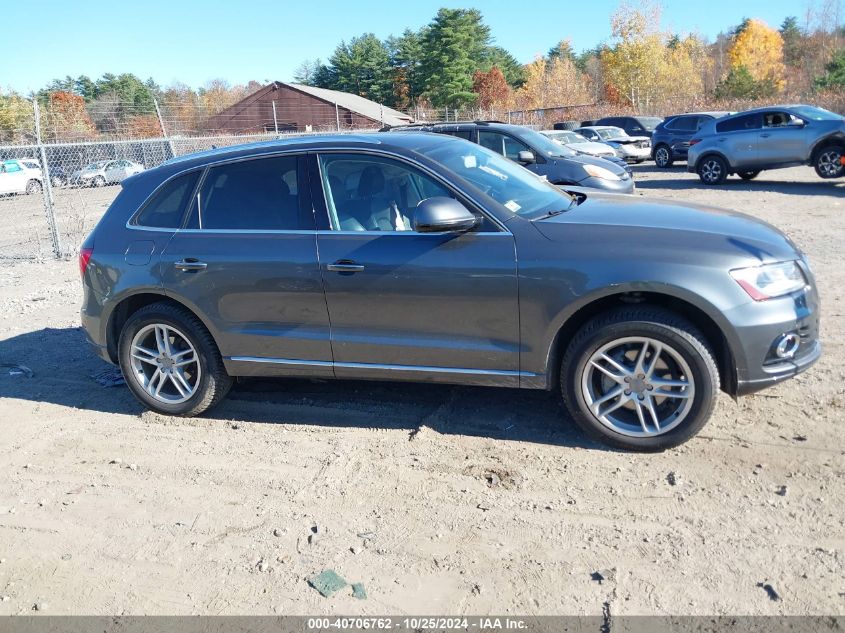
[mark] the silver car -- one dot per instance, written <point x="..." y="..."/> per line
<point x="578" y="143"/>
<point x="634" y="149"/>
<point x="105" y="172"/>
<point x="769" y="138"/>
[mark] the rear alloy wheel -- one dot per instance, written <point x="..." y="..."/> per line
<point x="748" y="175"/>
<point x="640" y="379"/>
<point x="99" y="181"/>
<point x="170" y="362"/>
<point x="663" y="156"/>
<point x="828" y="163"/>
<point x="713" y="170"/>
<point x="33" y="186"/>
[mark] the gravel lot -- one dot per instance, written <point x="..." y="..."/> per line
<point x="438" y="499"/>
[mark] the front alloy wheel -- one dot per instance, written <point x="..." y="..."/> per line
<point x="829" y="162"/>
<point x="640" y="379"/>
<point x="663" y="156"/>
<point x="638" y="386"/>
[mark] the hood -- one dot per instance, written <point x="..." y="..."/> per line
<point x="628" y="139"/>
<point x="591" y="147"/>
<point x="586" y="159"/>
<point x="695" y="225"/>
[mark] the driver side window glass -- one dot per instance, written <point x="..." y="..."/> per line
<point x="514" y="147"/>
<point x="372" y="193"/>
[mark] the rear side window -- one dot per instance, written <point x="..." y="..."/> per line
<point x="684" y="124"/>
<point x="258" y="195"/>
<point x="740" y="123"/>
<point x="167" y="206"/>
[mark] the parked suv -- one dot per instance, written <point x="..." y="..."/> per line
<point x="769" y="138"/>
<point x="670" y="140"/>
<point x="537" y="153"/>
<point x="633" y="125"/>
<point x="422" y="257"/>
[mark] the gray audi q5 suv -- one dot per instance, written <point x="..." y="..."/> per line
<point x="423" y="257"/>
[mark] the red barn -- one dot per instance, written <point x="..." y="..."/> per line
<point x="294" y="107"/>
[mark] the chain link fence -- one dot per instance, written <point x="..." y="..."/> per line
<point x="52" y="194"/>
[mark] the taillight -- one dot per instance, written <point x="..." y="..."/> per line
<point x="694" y="141"/>
<point x="84" y="257"/>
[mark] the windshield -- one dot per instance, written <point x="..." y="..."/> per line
<point x="611" y="132"/>
<point x="649" y="122"/>
<point x="565" y="137"/>
<point x="542" y="144"/>
<point x="816" y="114"/>
<point x="509" y="184"/>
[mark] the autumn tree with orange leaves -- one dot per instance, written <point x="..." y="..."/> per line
<point x="491" y="87"/>
<point x="66" y="119"/>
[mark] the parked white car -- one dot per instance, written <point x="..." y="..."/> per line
<point x="105" y="172"/>
<point x="578" y="143"/>
<point x="20" y="175"/>
<point x="634" y="149"/>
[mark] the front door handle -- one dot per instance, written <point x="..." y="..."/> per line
<point x="190" y="264"/>
<point x="344" y="266"/>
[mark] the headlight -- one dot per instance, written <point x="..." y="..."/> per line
<point x="770" y="280"/>
<point x="600" y="172"/>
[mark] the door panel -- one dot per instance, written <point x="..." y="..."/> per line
<point x="432" y="306"/>
<point x="259" y="289"/>
<point x="780" y="140"/>
<point x="430" y="300"/>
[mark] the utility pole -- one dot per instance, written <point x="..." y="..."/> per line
<point x="163" y="130"/>
<point x="275" y="120"/>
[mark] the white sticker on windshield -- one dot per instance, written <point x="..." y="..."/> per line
<point x="470" y="162"/>
<point x="513" y="206"/>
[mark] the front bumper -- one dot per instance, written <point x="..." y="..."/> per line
<point x="629" y="152"/>
<point x="760" y="325"/>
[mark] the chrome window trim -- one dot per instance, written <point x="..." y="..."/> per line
<point x="386" y="367"/>
<point x="307" y="150"/>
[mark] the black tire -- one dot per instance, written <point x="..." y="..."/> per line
<point x="657" y="324"/>
<point x="33" y="186"/>
<point x="99" y="181"/>
<point x="663" y="156"/>
<point x="713" y="170"/>
<point x="58" y="181"/>
<point x="213" y="383"/>
<point x="748" y="175"/>
<point x="828" y="161"/>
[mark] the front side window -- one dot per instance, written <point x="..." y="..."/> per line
<point x="373" y="193"/>
<point x="261" y="194"/>
<point x="12" y="167"/>
<point x="780" y="119"/>
<point x="167" y="206"/>
<point x="514" y="147"/>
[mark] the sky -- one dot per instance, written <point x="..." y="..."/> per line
<point x="194" y="41"/>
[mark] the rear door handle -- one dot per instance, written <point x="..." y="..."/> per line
<point x="190" y="264"/>
<point x="344" y="266"/>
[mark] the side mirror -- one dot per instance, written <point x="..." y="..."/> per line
<point x="525" y="157"/>
<point x="440" y="214"/>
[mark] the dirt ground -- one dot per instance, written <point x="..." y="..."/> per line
<point x="440" y="500"/>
